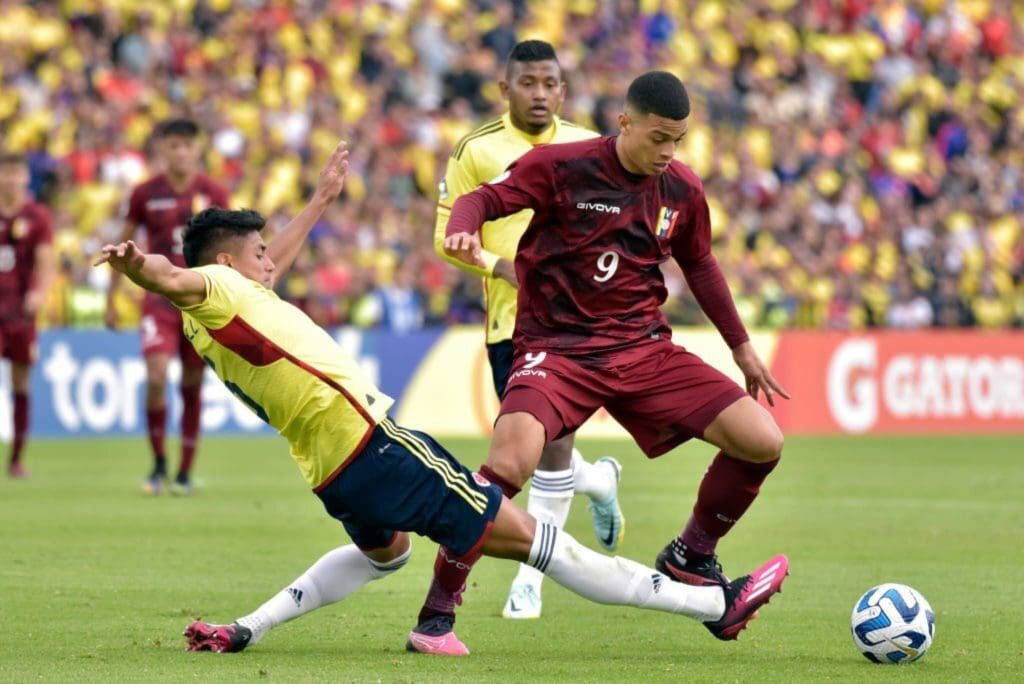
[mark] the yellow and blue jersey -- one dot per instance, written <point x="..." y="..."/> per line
<point x="287" y="369"/>
<point x="478" y="158"/>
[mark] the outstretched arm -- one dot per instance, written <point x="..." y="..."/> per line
<point x="154" y="272"/>
<point x="528" y="183"/>
<point x="707" y="282"/>
<point x="110" y="314"/>
<point x="285" y="246"/>
<point x="462" y="237"/>
<point x="691" y="247"/>
<point x="462" y="177"/>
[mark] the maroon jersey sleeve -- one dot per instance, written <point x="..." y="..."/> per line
<point x="137" y="205"/>
<point x="219" y="196"/>
<point x="221" y="199"/>
<point x="43" y="231"/>
<point x="691" y="247"/>
<point x="691" y="242"/>
<point x="528" y="183"/>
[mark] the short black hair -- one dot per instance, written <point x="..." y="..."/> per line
<point x="659" y="93"/>
<point x="532" y="51"/>
<point x="186" y="128"/>
<point x="208" y="230"/>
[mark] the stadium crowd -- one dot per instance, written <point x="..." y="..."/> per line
<point x="863" y="160"/>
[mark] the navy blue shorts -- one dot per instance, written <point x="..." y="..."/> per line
<point x="405" y="481"/>
<point x="501" y="355"/>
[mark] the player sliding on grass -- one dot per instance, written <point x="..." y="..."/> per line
<point x="380" y="480"/>
<point x="589" y="332"/>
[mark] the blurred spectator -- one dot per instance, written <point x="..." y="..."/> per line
<point x="502" y="38"/>
<point x="909" y="308"/>
<point x="863" y="160"/>
<point x="399" y="303"/>
<point x="949" y="308"/>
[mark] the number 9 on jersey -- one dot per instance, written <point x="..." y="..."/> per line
<point x="607" y="264"/>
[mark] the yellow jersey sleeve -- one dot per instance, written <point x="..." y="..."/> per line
<point x="222" y="294"/>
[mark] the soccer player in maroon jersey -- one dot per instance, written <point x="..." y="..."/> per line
<point x="535" y="88"/>
<point x="26" y="271"/>
<point x="163" y="205"/>
<point x="590" y="333"/>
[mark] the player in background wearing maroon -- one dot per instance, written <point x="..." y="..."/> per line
<point x="163" y="205"/>
<point x="26" y="271"/>
<point x="590" y="333"/>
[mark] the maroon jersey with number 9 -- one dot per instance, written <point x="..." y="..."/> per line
<point x="589" y="263"/>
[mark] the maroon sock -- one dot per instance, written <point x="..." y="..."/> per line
<point x="507" y="488"/>
<point x="450" y="572"/>
<point x="726" y="492"/>
<point x="449" y="582"/>
<point x="20" y="425"/>
<point x="156" y="424"/>
<point x="190" y="414"/>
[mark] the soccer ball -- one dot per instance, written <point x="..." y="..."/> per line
<point x="892" y="623"/>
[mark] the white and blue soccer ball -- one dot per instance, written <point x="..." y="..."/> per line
<point x="892" y="623"/>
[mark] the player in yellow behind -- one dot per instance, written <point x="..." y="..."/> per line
<point x="379" y="480"/>
<point x="535" y="90"/>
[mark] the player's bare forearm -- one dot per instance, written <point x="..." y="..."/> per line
<point x="112" y="285"/>
<point x="285" y="247"/>
<point x="127" y="232"/>
<point x="45" y="272"/>
<point x="46" y="268"/>
<point x="506" y="270"/>
<point x="155" y="273"/>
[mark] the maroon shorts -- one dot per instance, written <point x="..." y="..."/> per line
<point x="662" y="394"/>
<point x="18" y="341"/>
<point x="161" y="332"/>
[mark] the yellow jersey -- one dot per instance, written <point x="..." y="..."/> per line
<point x="287" y="369"/>
<point x="480" y="157"/>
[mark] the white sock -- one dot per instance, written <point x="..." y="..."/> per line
<point x="618" y="580"/>
<point x="597" y="483"/>
<point x="548" y="501"/>
<point x="337" y="574"/>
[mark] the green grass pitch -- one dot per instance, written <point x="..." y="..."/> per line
<point x="97" y="581"/>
